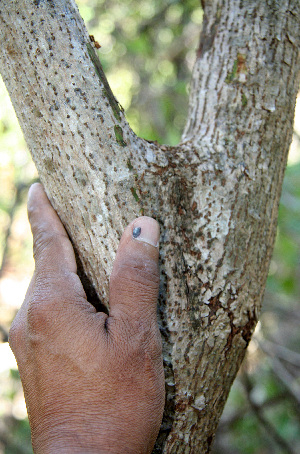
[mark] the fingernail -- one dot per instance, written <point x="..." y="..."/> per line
<point x="32" y="189"/>
<point x="146" y="229"/>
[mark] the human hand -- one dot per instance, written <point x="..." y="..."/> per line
<point x="93" y="383"/>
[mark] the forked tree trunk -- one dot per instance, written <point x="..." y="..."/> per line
<point x="215" y="195"/>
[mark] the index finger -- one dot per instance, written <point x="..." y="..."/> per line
<point x="52" y="249"/>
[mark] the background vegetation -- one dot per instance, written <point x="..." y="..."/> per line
<point x="147" y="50"/>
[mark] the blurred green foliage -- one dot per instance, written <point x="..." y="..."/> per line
<point x="147" y="51"/>
<point x="285" y="274"/>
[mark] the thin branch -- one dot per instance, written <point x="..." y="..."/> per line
<point x="7" y="233"/>
<point x="296" y="135"/>
<point x="12" y="212"/>
<point x="275" y="353"/>
<point x="273" y="349"/>
<point x="257" y="410"/>
<point x="4" y="334"/>
<point x="227" y="423"/>
<point x="286" y="378"/>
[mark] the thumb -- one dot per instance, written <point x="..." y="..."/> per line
<point x="134" y="281"/>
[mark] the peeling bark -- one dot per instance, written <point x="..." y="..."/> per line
<point x="215" y="195"/>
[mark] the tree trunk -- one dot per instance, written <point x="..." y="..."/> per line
<point x="215" y="195"/>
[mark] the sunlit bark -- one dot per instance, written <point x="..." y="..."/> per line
<point x="215" y="195"/>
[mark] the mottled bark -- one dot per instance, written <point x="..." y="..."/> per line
<point x="215" y="195"/>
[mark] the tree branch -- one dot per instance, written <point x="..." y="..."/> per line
<point x="215" y="195"/>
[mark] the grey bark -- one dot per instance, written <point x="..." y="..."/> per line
<point x="215" y="195"/>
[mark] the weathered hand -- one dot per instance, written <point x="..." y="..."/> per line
<point x="93" y="383"/>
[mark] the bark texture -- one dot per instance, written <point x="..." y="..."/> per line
<point x="215" y="195"/>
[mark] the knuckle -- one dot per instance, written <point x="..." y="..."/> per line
<point x="153" y="343"/>
<point x="42" y="310"/>
<point x="137" y="273"/>
<point x="38" y="316"/>
<point x="44" y="241"/>
<point x="53" y="298"/>
<point x="16" y="336"/>
<point x="144" y="340"/>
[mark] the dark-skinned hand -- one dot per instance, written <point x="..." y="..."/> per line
<point x="93" y="383"/>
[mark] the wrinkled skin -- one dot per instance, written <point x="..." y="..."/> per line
<point x="93" y="383"/>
